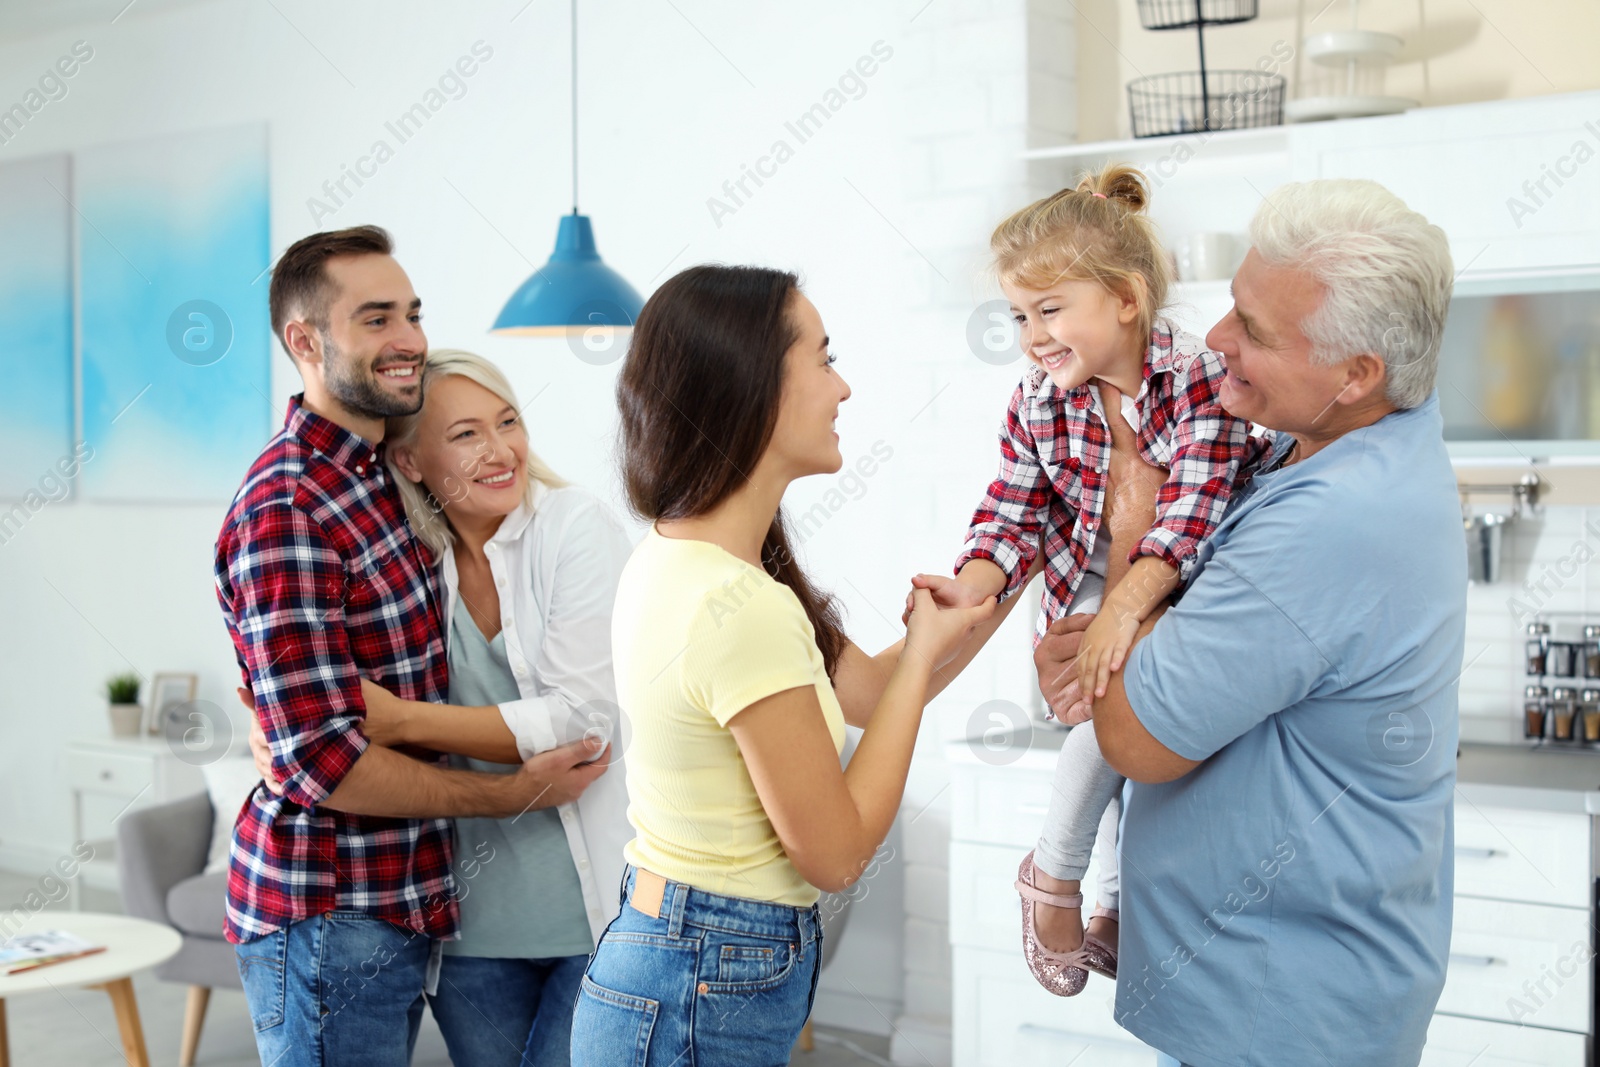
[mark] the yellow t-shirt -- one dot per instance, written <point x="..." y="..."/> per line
<point x="698" y="635"/>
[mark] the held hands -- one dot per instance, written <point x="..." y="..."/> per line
<point x="947" y="593"/>
<point x="1104" y="648"/>
<point x="941" y="615"/>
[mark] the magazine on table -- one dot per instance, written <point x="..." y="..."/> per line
<point x="25" y="951"/>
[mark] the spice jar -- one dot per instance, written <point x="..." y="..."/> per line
<point x="1533" y="711"/>
<point x="1538" y="649"/>
<point x="1590" y="703"/>
<point x="1564" y="712"/>
<point x="1591" y="651"/>
<point x="1562" y="659"/>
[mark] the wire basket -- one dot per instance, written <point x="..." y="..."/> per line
<point x="1186" y="14"/>
<point x="1190" y="101"/>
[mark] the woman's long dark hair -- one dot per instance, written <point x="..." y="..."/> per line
<point x="699" y="395"/>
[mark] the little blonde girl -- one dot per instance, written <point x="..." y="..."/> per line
<point x="1086" y="274"/>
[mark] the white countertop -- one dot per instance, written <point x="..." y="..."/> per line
<point x="1543" y="779"/>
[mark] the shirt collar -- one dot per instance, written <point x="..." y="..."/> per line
<point x="514" y="524"/>
<point x="347" y="449"/>
<point x="1161" y="357"/>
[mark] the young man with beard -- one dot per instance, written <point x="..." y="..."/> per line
<point x="340" y="889"/>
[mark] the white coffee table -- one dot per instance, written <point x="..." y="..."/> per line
<point x="132" y="945"/>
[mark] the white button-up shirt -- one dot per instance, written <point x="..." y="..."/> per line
<point x="556" y="568"/>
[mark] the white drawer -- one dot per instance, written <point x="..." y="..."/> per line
<point x="998" y="805"/>
<point x="1499" y="955"/>
<point x="985" y="911"/>
<point x="1535" y="856"/>
<point x="108" y="772"/>
<point x="1457" y="1042"/>
<point x="1001" y="1018"/>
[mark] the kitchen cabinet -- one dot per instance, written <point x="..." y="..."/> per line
<point x="1519" y="986"/>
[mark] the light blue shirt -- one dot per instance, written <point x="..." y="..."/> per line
<point x="1288" y="901"/>
<point x="520" y="895"/>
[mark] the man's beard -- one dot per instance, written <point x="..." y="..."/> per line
<point x="355" y="385"/>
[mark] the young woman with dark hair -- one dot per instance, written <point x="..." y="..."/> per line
<point x="738" y="679"/>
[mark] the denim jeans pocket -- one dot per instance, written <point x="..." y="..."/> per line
<point x="752" y="962"/>
<point x="614" y="1024"/>
<point x="262" y="968"/>
<point x="748" y="964"/>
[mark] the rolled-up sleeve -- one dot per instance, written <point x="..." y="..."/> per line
<point x="287" y="596"/>
<point x="572" y="670"/>
<point x="1006" y="525"/>
<point x="1208" y="446"/>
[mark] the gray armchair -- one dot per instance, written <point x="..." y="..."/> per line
<point x="161" y="854"/>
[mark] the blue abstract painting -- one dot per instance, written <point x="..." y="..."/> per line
<point x="173" y="248"/>
<point x="36" y="406"/>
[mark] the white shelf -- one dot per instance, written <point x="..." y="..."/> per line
<point x="1218" y="144"/>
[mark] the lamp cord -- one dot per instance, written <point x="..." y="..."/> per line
<point x="574" y="107"/>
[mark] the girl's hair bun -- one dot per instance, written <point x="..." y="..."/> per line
<point x="1118" y="182"/>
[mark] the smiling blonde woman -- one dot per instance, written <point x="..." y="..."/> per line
<point x="530" y="568"/>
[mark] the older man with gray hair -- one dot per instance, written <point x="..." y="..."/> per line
<point x="1290" y="724"/>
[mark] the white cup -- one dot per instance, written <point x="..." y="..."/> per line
<point x="1207" y="257"/>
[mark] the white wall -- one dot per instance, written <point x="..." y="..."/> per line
<point x="885" y="212"/>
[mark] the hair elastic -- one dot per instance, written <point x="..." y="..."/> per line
<point x="1102" y="196"/>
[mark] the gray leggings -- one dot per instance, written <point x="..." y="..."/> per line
<point x="1085" y="797"/>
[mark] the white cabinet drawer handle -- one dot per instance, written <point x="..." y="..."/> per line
<point x="1477" y="853"/>
<point x="1475" y="961"/>
<point x="1035" y="1030"/>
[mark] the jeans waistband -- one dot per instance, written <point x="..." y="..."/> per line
<point x="685" y="905"/>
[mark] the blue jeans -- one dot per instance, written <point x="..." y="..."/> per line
<point x="340" y="989"/>
<point x="507" y="1012"/>
<point x="714" y="981"/>
<point x="1163" y="1060"/>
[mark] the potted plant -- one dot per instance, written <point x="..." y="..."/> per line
<point x="122" y="699"/>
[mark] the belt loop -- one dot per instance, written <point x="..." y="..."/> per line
<point x="680" y="904"/>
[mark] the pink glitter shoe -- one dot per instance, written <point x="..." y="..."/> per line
<point x="1061" y="973"/>
<point x="1102" y="958"/>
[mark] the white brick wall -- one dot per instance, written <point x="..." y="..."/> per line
<point x="984" y="80"/>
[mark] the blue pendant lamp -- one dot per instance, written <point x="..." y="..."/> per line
<point x="574" y="292"/>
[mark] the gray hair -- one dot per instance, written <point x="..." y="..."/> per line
<point x="1386" y="269"/>
<point x="424" y="510"/>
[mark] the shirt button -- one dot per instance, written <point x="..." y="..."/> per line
<point x="360" y="469"/>
<point x="583" y="865"/>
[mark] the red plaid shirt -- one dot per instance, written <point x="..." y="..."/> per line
<point x="1054" y="453"/>
<point x="322" y="582"/>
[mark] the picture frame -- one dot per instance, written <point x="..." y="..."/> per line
<point x="168" y="689"/>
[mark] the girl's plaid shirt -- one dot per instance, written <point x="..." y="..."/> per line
<point x="1055" y="452"/>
